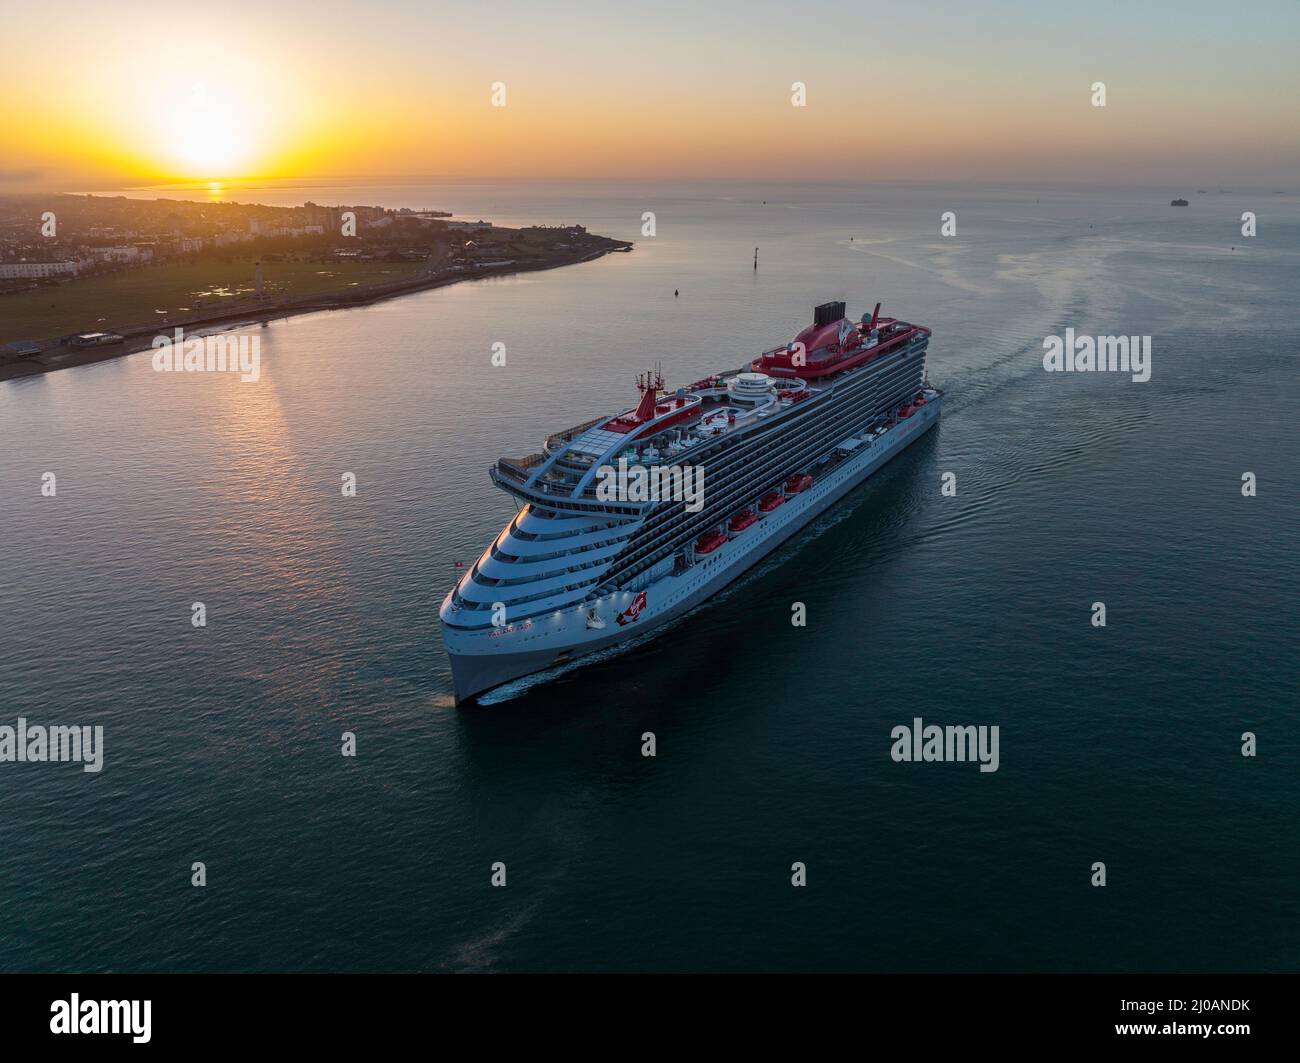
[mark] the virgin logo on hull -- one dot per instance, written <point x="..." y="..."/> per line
<point x="633" y="611"/>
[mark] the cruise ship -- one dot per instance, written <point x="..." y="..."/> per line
<point x="589" y="561"/>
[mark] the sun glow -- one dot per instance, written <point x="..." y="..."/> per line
<point x="207" y="134"/>
<point x="264" y="91"/>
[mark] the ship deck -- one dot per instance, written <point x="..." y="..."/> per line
<point x="683" y="422"/>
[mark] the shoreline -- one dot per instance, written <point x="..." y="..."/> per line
<point x="140" y="338"/>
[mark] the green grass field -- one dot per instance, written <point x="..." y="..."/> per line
<point x="131" y="297"/>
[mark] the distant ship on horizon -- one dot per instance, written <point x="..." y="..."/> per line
<point x="779" y="441"/>
<point x="1178" y="203"/>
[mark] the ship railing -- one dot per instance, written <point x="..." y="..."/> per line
<point x="552" y="483"/>
<point x="520" y="468"/>
<point x="559" y="493"/>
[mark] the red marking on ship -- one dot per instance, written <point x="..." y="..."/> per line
<point x="633" y="611"/>
<point x="831" y="346"/>
<point x="650" y="384"/>
<point x="741" y="521"/>
<point x="708" y="543"/>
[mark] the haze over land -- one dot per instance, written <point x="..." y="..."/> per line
<point x="1197" y="93"/>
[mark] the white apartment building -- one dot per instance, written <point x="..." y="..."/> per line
<point x="18" y="270"/>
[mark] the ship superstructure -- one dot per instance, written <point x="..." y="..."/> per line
<point x="775" y="443"/>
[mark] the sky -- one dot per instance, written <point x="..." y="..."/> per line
<point x="136" y="92"/>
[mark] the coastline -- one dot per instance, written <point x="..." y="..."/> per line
<point x="140" y="338"/>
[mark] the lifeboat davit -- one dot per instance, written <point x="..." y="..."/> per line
<point x="708" y="543"/>
<point x="799" y="482"/>
<point x="741" y="521"/>
<point x="769" y="502"/>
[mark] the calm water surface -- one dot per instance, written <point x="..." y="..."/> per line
<point x="1119" y="745"/>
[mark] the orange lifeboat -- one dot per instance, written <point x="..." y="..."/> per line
<point x="708" y="543"/>
<point x="741" y="521"/>
<point x="799" y="482"/>
<point x="769" y="502"/>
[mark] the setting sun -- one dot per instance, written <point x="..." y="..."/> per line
<point x="206" y="133"/>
